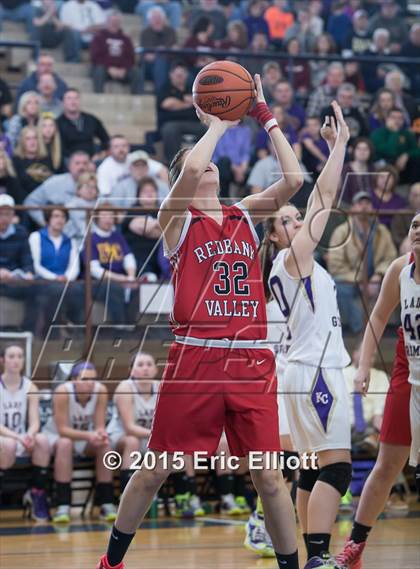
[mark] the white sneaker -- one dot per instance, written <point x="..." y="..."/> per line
<point x="108" y="512"/>
<point x="229" y="506"/>
<point x="257" y="538"/>
<point x="62" y="515"/>
<point x="196" y="506"/>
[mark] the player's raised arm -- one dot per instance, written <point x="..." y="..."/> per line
<point x="191" y="165"/>
<point x="263" y="205"/>
<point x="388" y="299"/>
<point x="299" y="260"/>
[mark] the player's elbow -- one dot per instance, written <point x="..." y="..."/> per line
<point x="295" y="181"/>
<point x="192" y="171"/>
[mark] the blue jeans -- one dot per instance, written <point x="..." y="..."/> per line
<point x="350" y="306"/>
<point x="24" y="13"/>
<point x="156" y="71"/>
<point x="73" y="45"/>
<point x="173" y="11"/>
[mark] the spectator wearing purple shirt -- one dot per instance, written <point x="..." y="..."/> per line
<point x="358" y="174"/>
<point x="284" y="96"/>
<point x="314" y="148"/>
<point x="232" y="155"/>
<point x="383" y="194"/>
<point x="339" y="24"/>
<point x="262" y="139"/>
<point x="255" y="21"/>
<point x="112" y="264"/>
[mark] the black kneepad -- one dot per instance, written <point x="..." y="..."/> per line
<point x="289" y="473"/>
<point x="337" y="475"/>
<point x="308" y="478"/>
<point x="417" y="478"/>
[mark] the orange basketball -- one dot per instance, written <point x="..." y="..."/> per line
<point x="224" y="89"/>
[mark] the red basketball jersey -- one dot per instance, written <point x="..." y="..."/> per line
<point x="217" y="278"/>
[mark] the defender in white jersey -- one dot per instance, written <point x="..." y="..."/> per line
<point x="317" y="400"/>
<point x="401" y="284"/>
<point x="257" y="538"/>
<point x="410" y="318"/>
<point x="19" y="429"/>
<point x="134" y="406"/>
<point x="78" y="427"/>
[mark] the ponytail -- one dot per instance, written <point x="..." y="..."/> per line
<point x="266" y="254"/>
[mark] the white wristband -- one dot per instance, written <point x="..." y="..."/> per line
<point x="269" y="124"/>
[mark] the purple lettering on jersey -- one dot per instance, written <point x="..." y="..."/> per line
<point x="307" y="282"/>
<point x="322" y="399"/>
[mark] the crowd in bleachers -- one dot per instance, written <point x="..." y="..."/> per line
<point x="53" y="152"/>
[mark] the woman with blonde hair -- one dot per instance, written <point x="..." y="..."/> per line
<point x="49" y="141"/>
<point x="32" y="166"/>
<point x="9" y="183"/>
<point x="27" y="115"/>
<point x="86" y="197"/>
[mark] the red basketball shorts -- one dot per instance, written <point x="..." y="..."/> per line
<point x="396" y="421"/>
<point x="207" y="390"/>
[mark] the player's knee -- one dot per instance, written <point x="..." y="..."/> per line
<point x="337" y="475"/>
<point x="308" y="478"/>
<point x="148" y="481"/>
<point x="387" y="468"/>
<point x="131" y="443"/>
<point x="41" y="441"/>
<point x="64" y="447"/>
<point x="8" y="453"/>
<point x="267" y="482"/>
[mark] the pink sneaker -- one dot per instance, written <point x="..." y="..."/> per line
<point x="351" y="556"/>
<point x="103" y="564"/>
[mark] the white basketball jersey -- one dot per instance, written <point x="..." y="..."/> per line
<point x="410" y="319"/>
<point x="80" y="417"/>
<point x="310" y="308"/>
<point x="278" y="334"/>
<point x="14" y="406"/>
<point x="143" y="408"/>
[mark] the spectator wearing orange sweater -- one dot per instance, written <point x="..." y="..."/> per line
<point x="279" y="20"/>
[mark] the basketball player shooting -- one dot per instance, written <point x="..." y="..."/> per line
<point x="220" y="375"/>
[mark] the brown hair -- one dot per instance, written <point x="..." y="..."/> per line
<point x="175" y="167"/>
<point x="369" y="144"/>
<point x="10" y="345"/>
<point x="137" y="355"/>
<point x="104" y="206"/>
<point x="266" y="254"/>
<point x="391" y="170"/>
<point x="147" y="181"/>
<point x="49" y="213"/>
<point x="242" y="33"/>
<point x="332" y="45"/>
<point x="376" y="109"/>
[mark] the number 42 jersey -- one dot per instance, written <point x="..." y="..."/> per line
<point x="410" y="318"/>
<point x="217" y="278"/>
<point x="310" y="309"/>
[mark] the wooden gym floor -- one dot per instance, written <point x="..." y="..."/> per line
<point x="211" y="543"/>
